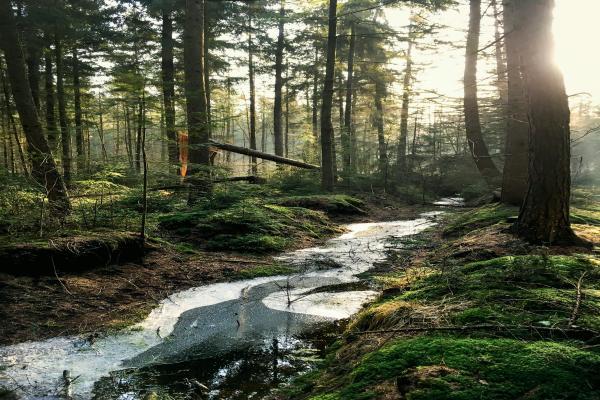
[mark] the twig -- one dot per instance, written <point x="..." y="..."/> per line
<point x="57" y="278"/>
<point x="575" y="313"/>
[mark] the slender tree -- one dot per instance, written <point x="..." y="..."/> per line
<point x="44" y="167"/>
<point x="278" y="103"/>
<point x="477" y="145"/>
<point x="195" y="95"/>
<point x="327" y="161"/>
<point x="514" y="174"/>
<point x="168" y="83"/>
<point x="346" y="137"/>
<point x="252" y="127"/>
<point x="406" y="89"/>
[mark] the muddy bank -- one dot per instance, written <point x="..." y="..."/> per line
<point x="93" y="300"/>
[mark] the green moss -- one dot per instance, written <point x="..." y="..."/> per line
<point x="448" y="367"/>
<point x="265" y="270"/>
<point x="481" y="217"/>
<point x="332" y="204"/>
<point x="249" y="226"/>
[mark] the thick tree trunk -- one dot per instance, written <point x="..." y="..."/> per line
<point x="168" y="84"/>
<point x="65" y="136"/>
<point x="406" y="89"/>
<point x="44" y="168"/>
<point x="195" y="94"/>
<point x="278" y="106"/>
<point x="378" y="119"/>
<point x="516" y="159"/>
<point x="51" y="128"/>
<point x="478" y="148"/>
<point x="347" y="161"/>
<point x="327" y="161"/>
<point x="79" y="145"/>
<point x="544" y="216"/>
<point x="254" y="167"/>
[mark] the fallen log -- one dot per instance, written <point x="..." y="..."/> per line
<point x="259" y="154"/>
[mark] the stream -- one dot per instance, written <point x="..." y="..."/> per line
<point x="230" y="340"/>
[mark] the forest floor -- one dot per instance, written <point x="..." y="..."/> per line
<point x="469" y="311"/>
<point x="93" y="300"/>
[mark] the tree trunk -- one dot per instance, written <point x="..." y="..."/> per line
<point x="168" y="85"/>
<point x="51" y="128"/>
<point x="128" y="137"/>
<point x="138" y="140"/>
<point x="378" y="117"/>
<point x="79" y="145"/>
<point x="278" y="106"/>
<point x="195" y="94"/>
<point x="500" y="62"/>
<point x="44" y="168"/>
<point x="347" y="130"/>
<point x="13" y="125"/>
<point x="315" y="97"/>
<point x="327" y="161"/>
<point x="207" y="88"/>
<point x="65" y="137"/>
<point x="478" y="148"/>
<point x="544" y="216"/>
<point x="254" y="168"/>
<point x="406" y="89"/>
<point x="516" y="159"/>
<point x="33" y="70"/>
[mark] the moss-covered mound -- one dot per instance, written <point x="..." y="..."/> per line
<point x="338" y="204"/>
<point x="481" y="217"/>
<point x="249" y="226"/>
<point x="450" y="367"/>
<point x="76" y="252"/>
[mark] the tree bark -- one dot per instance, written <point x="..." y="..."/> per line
<point x="13" y="125"/>
<point x="195" y="94"/>
<point x="315" y="97"/>
<point x="168" y="84"/>
<point x="254" y="165"/>
<point x="478" y="148"/>
<point x="544" y="216"/>
<point x="501" y="81"/>
<point x="347" y="161"/>
<point x="278" y="106"/>
<point x="79" y="145"/>
<point x="327" y="162"/>
<point x="378" y="118"/>
<point x="138" y="139"/>
<point x="406" y="89"/>
<point x="516" y="159"/>
<point x="65" y="136"/>
<point x="207" y="87"/>
<point x="33" y="70"/>
<point x="51" y="128"/>
<point x="44" y="168"/>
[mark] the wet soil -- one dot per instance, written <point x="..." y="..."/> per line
<point x="111" y="297"/>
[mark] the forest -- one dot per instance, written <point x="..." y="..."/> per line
<point x="285" y="199"/>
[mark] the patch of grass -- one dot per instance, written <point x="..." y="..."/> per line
<point x="265" y="270"/>
<point x="481" y="217"/>
<point x="449" y="367"/>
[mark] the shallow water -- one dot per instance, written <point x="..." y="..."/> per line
<point x="238" y="339"/>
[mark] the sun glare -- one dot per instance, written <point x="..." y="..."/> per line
<point x="575" y="27"/>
